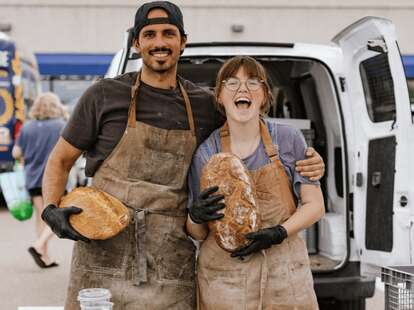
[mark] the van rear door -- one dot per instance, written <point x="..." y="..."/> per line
<point x="380" y="116"/>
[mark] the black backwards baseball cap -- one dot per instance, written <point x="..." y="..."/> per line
<point x="175" y="17"/>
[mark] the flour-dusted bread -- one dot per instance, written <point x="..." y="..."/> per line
<point x="103" y="215"/>
<point x="241" y="214"/>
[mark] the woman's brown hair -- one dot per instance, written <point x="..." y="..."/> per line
<point x="253" y="69"/>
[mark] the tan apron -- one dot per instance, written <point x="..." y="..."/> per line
<point x="275" y="278"/>
<point x="150" y="265"/>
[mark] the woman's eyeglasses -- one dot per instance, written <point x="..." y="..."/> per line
<point x="233" y="84"/>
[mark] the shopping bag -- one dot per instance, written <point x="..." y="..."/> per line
<point x="16" y="196"/>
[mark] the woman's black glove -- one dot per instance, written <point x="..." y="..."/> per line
<point x="205" y="208"/>
<point x="58" y="221"/>
<point x="262" y="239"/>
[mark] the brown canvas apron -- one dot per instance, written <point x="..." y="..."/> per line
<point x="275" y="278"/>
<point x="150" y="265"/>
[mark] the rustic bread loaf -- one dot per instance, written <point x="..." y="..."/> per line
<point x="103" y="215"/>
<point x="241" y="214"/>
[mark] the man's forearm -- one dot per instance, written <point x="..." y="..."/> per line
<point x="54" y="182"/>
<point x="57" y="170"/>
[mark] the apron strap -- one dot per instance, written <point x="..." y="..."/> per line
<point x="225" y="138"/>
<point x="132" y="107"/>
<point x="140" y="272"/>
<point x="188" y="109"/>
<point x="264" y="275"/>
<point x="272" y="152"/>
<point x="132" y="114"/>
<point x="271" y="149"/>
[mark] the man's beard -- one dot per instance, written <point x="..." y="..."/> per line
<point x="160" y="66"/>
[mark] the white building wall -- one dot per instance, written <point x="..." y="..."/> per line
<point x="97" y="26"/>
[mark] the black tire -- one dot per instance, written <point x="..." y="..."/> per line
<point x="358" y="304"/>
<point x="3" y="203"/>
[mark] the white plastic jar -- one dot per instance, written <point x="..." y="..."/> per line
<point x="95" y="299"/>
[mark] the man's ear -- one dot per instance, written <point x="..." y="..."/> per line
<point x="136" y="45"/>
<point x="183" y="43"/>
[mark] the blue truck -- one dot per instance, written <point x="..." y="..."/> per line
<point x="19" y="86"/>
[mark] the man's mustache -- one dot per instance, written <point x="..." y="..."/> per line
<point x="161" y="49"/>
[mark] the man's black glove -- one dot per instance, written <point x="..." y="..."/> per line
<point x="205" y="208"/>
<point x="58" y="221"/>
<point x="262" y="239"/>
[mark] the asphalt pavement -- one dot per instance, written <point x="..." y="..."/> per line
<point x="24" y="284"/>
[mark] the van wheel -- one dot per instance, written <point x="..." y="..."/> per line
<point x="358" y="304"/>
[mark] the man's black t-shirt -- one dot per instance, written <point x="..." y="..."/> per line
<point x="100" y="117"/>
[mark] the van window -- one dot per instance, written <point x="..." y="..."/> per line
<point x="29" y="84"/>
<point x="68" y="87"/>
<point x="378" y="88"/>
<point x="380" y="194"/>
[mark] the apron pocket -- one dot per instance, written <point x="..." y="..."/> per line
<point x="107" y="257"/>
<point x="280" y="285"/>
<point x="159" y="167"/>
<point x="288" y="266"/>
<point x="175" y="260"/>
<point x="222" y="291"/>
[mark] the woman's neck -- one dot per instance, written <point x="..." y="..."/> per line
<point x="163" y="80"/>
<point x="244" y="137"/>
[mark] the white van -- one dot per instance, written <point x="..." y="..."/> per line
<point x="350" y="98"/>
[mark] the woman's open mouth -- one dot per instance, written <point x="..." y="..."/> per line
<point x="243" y="103"/>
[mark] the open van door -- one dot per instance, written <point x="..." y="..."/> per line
<point x="380" y="119"/>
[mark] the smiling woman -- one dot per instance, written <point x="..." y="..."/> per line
<point x="269" y="152"/>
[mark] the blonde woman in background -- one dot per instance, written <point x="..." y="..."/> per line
<point x="36" y="140"/>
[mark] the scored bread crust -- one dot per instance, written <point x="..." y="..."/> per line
<point x="241" y="214"/>
<point x="103" y="215"/>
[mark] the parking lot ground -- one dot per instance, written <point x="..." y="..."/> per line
<point x="22" y="282"/>
<point x="377" y="301"/>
